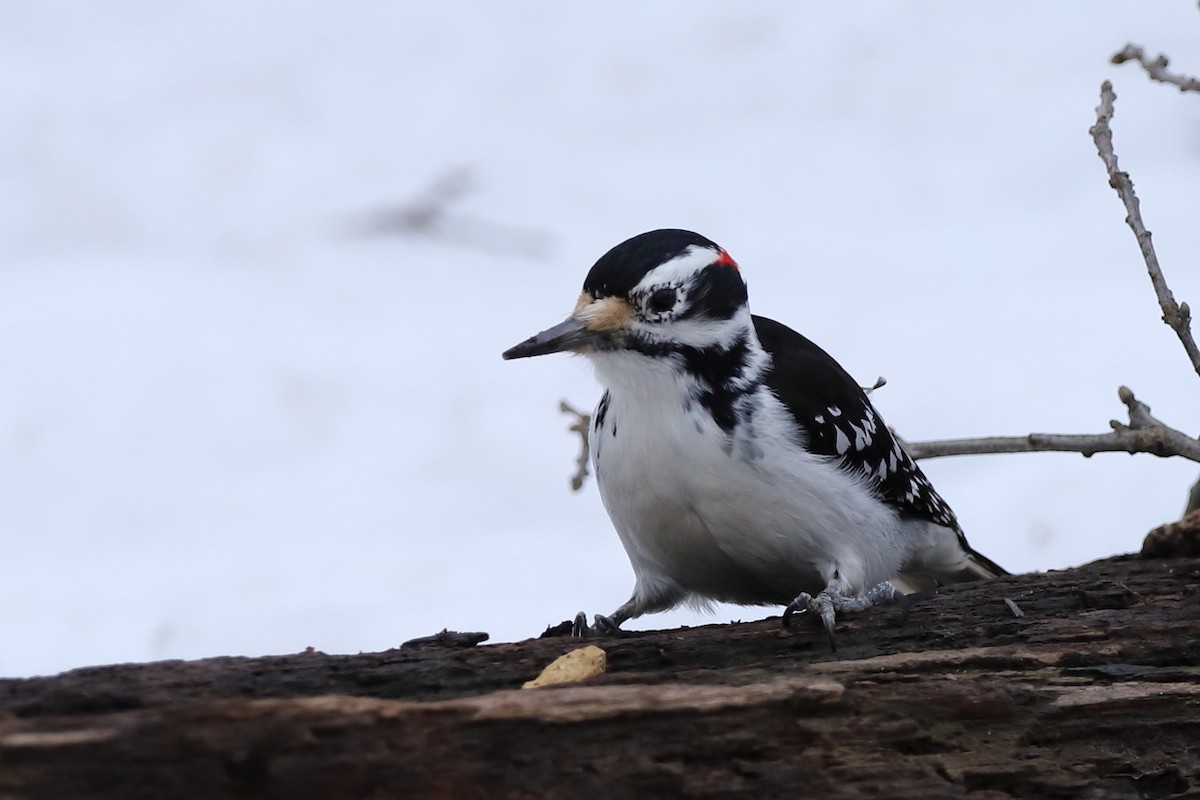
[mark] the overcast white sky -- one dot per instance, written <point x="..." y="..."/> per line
<point x="231" y="423"/>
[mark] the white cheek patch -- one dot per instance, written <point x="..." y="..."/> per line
<point x="704" y="333"/>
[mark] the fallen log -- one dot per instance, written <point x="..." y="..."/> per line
<point x="1075" y="683"/>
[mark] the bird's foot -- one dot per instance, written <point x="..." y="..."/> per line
<point x="829" y="601"/>
<point x="601" y="626"/>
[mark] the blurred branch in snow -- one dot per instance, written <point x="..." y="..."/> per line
<point x="429" y="207"/>
<point x="1156" y="68"/>
<point x="1178" y="316"/>
<point x="1143" y="434"/>
<point x="580" y="426"/>
<point x="428" y="215"/>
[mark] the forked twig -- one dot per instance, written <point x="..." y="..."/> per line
<point x="1156" y="68"/>
<point x="1143" y="434"/>
<point x="580" y="426"/>
<point x="1176" y="315"/>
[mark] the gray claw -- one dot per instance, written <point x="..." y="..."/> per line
<point x="601" y="626"/>
<point x="797" y="606"/>
<point x="829" y="601"/>
<point x="825" y="609"/>
<point x="822" y="606"/>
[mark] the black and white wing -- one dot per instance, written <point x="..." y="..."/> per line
<point x="840" y="421"/>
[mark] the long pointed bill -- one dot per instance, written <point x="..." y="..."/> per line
<point x="570" y="334"/>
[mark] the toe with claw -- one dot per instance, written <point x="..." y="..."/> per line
<point x="820" y="606"/>
<point x="601" y="626"/>
<point x="825" y="604"/>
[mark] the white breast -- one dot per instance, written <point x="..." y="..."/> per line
<point x="747" y="516"/>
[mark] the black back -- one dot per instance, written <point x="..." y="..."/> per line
<point x="832" y="409"/>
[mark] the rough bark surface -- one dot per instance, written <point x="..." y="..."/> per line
<point x="1093" y="693"/>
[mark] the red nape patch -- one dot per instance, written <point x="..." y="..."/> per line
<point x="726" y="260"/>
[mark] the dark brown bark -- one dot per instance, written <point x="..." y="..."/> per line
<point x="1094" y="692"/>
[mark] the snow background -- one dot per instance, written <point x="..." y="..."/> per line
<point x="232" y="424"/>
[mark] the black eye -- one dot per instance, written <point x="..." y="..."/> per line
<point x="661" y="301"/>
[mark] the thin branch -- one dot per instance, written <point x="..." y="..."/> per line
<point x="1143" y="434"/>
<point x="447" y="638"/>
<point x="1177" y="315"/>
<point x="580" y="426"/>
<point x="880" y="382"/>
<point x="1156" y="68"/>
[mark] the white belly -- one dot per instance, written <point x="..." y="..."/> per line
<point x="748" y="517"/>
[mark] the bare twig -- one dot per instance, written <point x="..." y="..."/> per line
<point x="1013" y="607"/>
<point x="880" y="382"/>
<point x="1156" y="68"/>
<point x="447" y="638"/>
<point x="580" y="426"/>
<point x="1143" y="434"/>
<point x="1177" y="315"/>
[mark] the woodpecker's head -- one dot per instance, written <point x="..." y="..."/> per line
<point x="659" y="293"/>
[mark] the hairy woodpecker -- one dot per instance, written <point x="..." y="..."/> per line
<point x="737" y="460"/>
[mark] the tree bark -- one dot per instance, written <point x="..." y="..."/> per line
<point x="1093" y="692"/>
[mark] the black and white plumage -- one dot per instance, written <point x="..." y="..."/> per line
<point x="737" y="460"/>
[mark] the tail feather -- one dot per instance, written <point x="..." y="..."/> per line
<point x="980" y="567"/>
<point x="969" y="565"/>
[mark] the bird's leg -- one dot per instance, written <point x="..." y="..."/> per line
<point x="830" y="600"/>
<point x="660" y="598"/>
<point x="601" y="624"/>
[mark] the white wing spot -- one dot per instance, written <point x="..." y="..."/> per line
<point x="843" y="442"/>
<point x="834" y="411"/>
<point x="861" y="439"/>
<point x="820" y="419"/>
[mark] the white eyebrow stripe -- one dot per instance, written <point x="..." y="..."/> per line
<point x="689" y="262"/>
